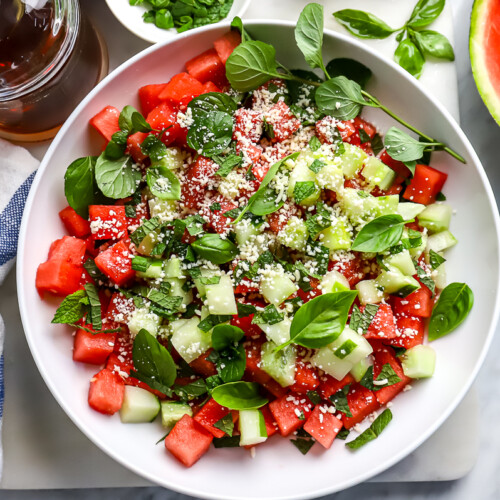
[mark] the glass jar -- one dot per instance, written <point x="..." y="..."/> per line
<point x="50" y="58"/>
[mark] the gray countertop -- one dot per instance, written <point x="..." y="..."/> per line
<point x="483" y="481"/>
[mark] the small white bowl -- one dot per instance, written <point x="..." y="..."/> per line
<point x="131" y="17"/>
<point x="278" y="470"/>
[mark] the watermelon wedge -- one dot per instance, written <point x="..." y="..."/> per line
<point x="484" y="41"/>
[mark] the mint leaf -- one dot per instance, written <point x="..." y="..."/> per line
<point x="225" y="424"/>
<point x="72" y="308"/>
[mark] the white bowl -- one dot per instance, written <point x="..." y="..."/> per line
<point x="278" y="470"/>
<point x="131" y="17"/>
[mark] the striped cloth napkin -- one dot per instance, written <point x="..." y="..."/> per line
<point x="17" y="170"/>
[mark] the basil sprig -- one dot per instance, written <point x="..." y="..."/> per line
<point x="80" y="187"/>
<point x="117" y="178"/>
<point x="153" y="364"/>
<point x="231" y="358"/>
<point x="379" y="234"/>
<point x="321" y="320"/>
<point x="453" y="306"/>
<point x="239" y="396"/>
<point x="215" y="249"/>
<point x="414" y="43"/>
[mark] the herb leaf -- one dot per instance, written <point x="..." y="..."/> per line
<point x="270" y="316"/>
<point x="303" y="444"/>
<point x="362" y="320"/>
<point x="363" y="24"/>
<point x="215" y="249"/>
<point x="239" y="396"/>
<point x="340" y="98"/>
<point x="225" y="424"/>
<point x="72" y="308"/>
<point x="95" y="306"/>
<point x="339" y="400"/>
<point x="409" y="57"/>
<point x="210" y="133"/>
<point x="435" y="259"/>
<point x="80" y="187"/>
<point x="451" y="309"/>
<point x="372" y="432"/>
<point x="225" y="336"/>
<point x="379" y="234"/>
<point x="163" y="183"/>
<point x="434" y="44"/>
<point x="351" y="69"/>
<point x="403" y="147"/>
<point x="116" y="178"/>
<point x="425" y="12"/>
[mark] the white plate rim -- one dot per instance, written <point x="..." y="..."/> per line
<point x="195" y="491"/>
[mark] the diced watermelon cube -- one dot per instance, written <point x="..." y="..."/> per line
<point x="383" y="325"/>
<point x="134" y="142"/>
<point x="106" y="392"/>
<point x="198" y="178"/>
<point x="419" y="303"/>
<point x="248" y="124"/>
<point x="116" y="263"/>
<point x="119" y="308"/>
<point x="203" y="366"/>
<point x="107" y="222"/>
<point x="210" y="414"/>
<point x="181" y="89"/>
<point x="207" y="67"/>
<point x="326" y="129"/>
<point x="62" y="272"/>
<point x="210" y="87"/>
<point x="383" y="357"/>
<point x="245" y="323"/>
<point x="149" y="96"/>
<point x="93" y="348"/>
<point x="188" y="441"/>
<point x="164" y="119"/>
<point x="410" y="331"/>
<point x="106" y="122"/>
<point x="329" y="386"/>
<point x="282" y="120"/>
<point x="74" y="223"/>
<point x="253" y="152"/>
<point x="306" y="378"/>
<point x="271" y="425"/>
<point x="426" y="183"/>
<point x="226" y="44"/>
<point x="218" y="220"/>
<point x="361" y="403"/>
<point x="290" y="413"/>
<point x="253" y="371"/>
<point x="323" y="426"/>
<point x="353" y="270"/>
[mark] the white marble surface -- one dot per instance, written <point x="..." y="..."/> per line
<point x="483" y="482"/>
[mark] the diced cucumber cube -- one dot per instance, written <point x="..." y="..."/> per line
<point x="173" y="268"/>
<point x="205" y="273"/>
<point x="143" y="319"/>
<point x="245" y="230"/>
<point x="441" y="241"/>
<point x="410" y="210"/>
<point x="252" y="427"/>
<point x="276" y="286"/>
<point x="336" y="237"/>
<point x="352" y="160"/>
<point x="154" y="271"/>
<point x="279" y="333"/>
<point x="417" y="251"/>
<point x="220" y="298"/>
<point x="294" y="234"/>
<point x="359" y="369"/>
<point x="173" y="159"/>
<point x="177" y="290"/>
<point x="332" y="278"/>
<point x="302" y="173"/>
<point x="439" y="276"/>
<point x="325" y="360"/>
<point x="148" y="244"/>
<point x="394" y="281"/>
<point x="368" y="292"/>
<point x="436" y="217"/>
<point x="189" y="341"/>
<point x="331" y="176"/>
<point x="378" y="173"/>
<point x="419" y="362"/>
<point x="401" y="261"/>
<point x="173" y="411"/>
<point x="139" y="405"/>
<point x="350" y="346"/>
<point x="165" y="210"/>
<point x="360" y="206"/>
<point x="280" y="365"/>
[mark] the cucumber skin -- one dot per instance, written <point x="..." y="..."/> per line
<point x="136" y="396"/>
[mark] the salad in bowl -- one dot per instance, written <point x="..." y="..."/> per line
<point x="249" y="256"/>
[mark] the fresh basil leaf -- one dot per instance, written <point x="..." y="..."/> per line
<point x="227" y="442"/>
<point x="377" y="144"/>
<point x="425" y="12"/>
<point x="80" y="187"/>
<point x="363" y="24"/>
<point x="211" y="133"/>
<point x="228" y="164"/>
<point x="148" y="226"/>
<point x="379" y="234"/>
<point x="215" y="207"/>
<point x="232" y="363"/>
<point x="215" y="249"/>
<point x="339" y="400"/>
<point x="239" y="396"/>
<point x="303" y="190"/>
<point x="224" y="336"/>
<point x="250" y="65"/>
<point x="409" y="57"/>
<point x="245" y="310"/>
<point x="351" y="69"/>
<point x="139" y="123"/>
<point x="72" y="308"/>
<point x="192" y="390"/>
<point x="125" y="118"/>
<point x="440" y="197"/>
<point x="372" y="432"/>
<point x="238" y="24"/>
<point x="314" y="143"/>
<point x="211" y="320"/>
<point x="152" y="361"/>
<point x="434" y="44"/>
<point x="435" y="259"/>
<point x="194" y="224"/>
<point x="321" y="320"/>
<point x="361" y="321"/>
<point x="225" y="424"/>
<point x="314" y="397"/>
<point x="411" y="165"/>
<point x="211" y="102"/>
<point x="451" y="309"/>
<point x="303" y="445"/>
<point x="117" y="178"/>
<point x="270" y="316"/>
<point x="113" y="150"/>
<point x="265" y="202"/>
<point x="340" y="98"/>
<point x="152" y="146"/>
<point x="363" y="136"/>
<point x="163" y="183"/>
<point x="257" y="196"/>
<point x="426" y="280"/>
<point x="149" y="16"/>
<point x="95" y="306"/>
<point x="309" y="35"/>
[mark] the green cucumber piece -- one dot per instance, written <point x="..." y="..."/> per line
<point x="378" y="173"/>
<point x="441" y="241"/>
<point x="154" y="271"/>
<point x="419" y="361"/>
<point x="294" y="234"/>
<point x="359" y="369"/>
<point x="334" y="278"/>
<point x="280" y="365"/>
<point x="350" y="346"/>
<point x="173" y="411"/>
<point x="394" y="281"/>
<point x="359" y="206"/>
<point x="177" y="290"/>
<point x="410" y="210"/>
<point x="276" y="287"/>
<point x="205" y="273"/>
<point x="220" y="297"/>
<point x="173" y="268"/>
<point x="165" y="210"/>
<point x="302" y="173"/>
<point x="436" y="217"/>
<point x="325" y="360"/>
<point x="189" y="341"/>
<point x="352" y="160"/>
<point x="401" y="261"/>
<point x="331" y="176"/>
<point x="369" y="293"/>
<point x="279" y="333"/>
<point x="148" y="244"/>
<point x="245" y="230"/>
<point x="143" y="319"/>
<point x="139" y="405"/>
<point x="252" y="427"/>
<point x="336" y="237"/>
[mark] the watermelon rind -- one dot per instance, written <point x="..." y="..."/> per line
<point x="489" y="94"/>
